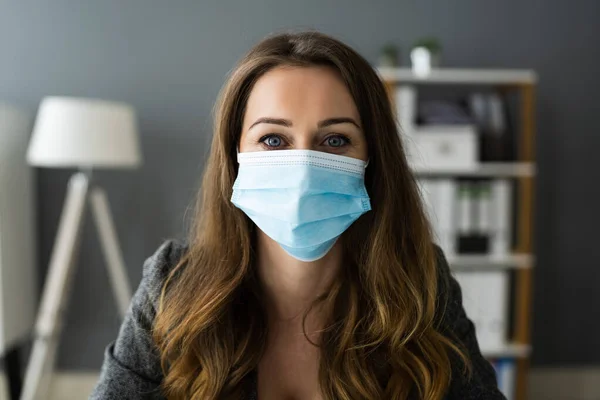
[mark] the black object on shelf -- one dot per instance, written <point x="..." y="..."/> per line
<point x="473" y="244"/>
<point x="443" y="112"/>
<point x="490" y="113"/>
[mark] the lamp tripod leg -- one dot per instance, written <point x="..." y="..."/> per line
<point x="57" y="288"/>
<point x="110" y="246"/>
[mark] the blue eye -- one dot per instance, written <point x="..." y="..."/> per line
<point x="271" y="141"/>
<point x="336" y="141"/>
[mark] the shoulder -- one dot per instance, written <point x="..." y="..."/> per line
<point x="132" y="366"/>
<point x="159" y="265"/>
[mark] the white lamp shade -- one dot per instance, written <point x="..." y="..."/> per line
<point x="79" y="132"/>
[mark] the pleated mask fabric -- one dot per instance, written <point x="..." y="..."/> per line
<point x="302" y="199"/>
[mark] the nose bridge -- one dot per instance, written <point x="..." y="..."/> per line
<point x="305" y="138"/>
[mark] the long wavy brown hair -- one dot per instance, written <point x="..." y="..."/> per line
<point x="385" y="338"/>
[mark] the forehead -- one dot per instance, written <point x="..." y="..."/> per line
<point x="290" y="91"/>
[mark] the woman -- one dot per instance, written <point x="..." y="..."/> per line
<point x="310" y="271"/>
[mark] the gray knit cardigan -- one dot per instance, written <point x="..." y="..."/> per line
<point x="131" y="368"/>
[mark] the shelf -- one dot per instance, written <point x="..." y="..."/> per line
<point x="467" y="76"/>
<point x="486" y="261"/>
<point x="509" y="350"/>
<point x="483" y="170"/>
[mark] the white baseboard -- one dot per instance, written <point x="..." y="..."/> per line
<point x="544" y="384"/>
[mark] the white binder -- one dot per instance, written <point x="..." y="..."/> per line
<point x="485" y="299"/>
<point x="501" y="215"/>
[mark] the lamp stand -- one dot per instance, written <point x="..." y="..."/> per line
<point x="59" y="281"/>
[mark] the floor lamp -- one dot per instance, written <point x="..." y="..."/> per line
<point x="86" y="134"/>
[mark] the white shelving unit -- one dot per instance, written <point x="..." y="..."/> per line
<point x="460" y="76"/>
<point x="484" y="170"/>
<point x="510" y="350"/>
<point x="521" y="172"/>
<point x="465" y="262"/>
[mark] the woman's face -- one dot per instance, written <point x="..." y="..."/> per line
<point x="302" y="108"/>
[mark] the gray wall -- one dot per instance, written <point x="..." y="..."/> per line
<point x="170" y="58"/>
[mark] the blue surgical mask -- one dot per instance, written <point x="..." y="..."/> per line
<point x="302" y="199"/>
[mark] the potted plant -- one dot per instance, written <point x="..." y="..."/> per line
<point x="389" y="56"/>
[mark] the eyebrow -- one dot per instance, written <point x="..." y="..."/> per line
<point x="334" y="121"/>
<point x="322" y="124"/>
<point x="275" y="121"/>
